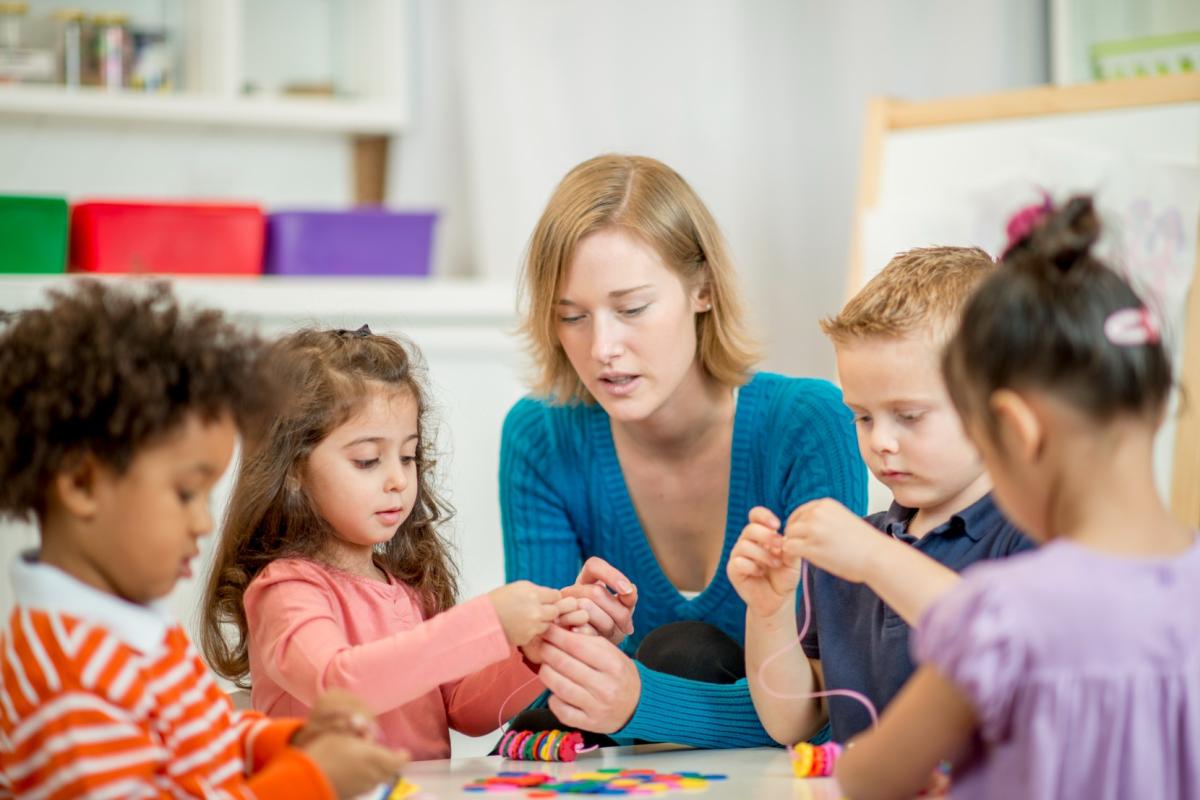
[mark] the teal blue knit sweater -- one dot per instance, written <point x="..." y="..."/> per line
<point x="563" y="499"/>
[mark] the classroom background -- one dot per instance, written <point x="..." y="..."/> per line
<point x="459" y="117"/>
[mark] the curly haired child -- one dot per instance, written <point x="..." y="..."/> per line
<point x="332" y="571"/>
<point x="118" y="413"/>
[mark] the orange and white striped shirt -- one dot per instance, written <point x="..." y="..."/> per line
<point x="104" y="698"/>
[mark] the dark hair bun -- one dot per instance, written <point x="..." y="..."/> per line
<point x="1064" y="238"/>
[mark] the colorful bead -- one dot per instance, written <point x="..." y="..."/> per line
<point x="814" y="760"/>
<point x="541" y="745"/>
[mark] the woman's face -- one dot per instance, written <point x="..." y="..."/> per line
<point x="628" y="324"/>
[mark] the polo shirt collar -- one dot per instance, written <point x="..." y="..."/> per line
<point x="975" y="520"/>
<point x="46" y="588"/>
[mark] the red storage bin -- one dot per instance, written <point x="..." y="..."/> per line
<point x="178" y="238"/>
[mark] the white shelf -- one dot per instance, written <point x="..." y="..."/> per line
<point x="331" y="115"/>
<point x="432" y="301"/>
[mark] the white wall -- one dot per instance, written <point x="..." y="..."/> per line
<point x="759" y="105"/>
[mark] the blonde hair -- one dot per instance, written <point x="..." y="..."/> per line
<point x="925" y="287"/>
<point x="650" y="199"/>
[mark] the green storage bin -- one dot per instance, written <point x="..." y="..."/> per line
<point x="33" y="234"/>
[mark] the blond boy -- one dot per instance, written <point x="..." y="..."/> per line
<point x="869" y="580"/>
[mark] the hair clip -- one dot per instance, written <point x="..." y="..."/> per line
<point x="1022" y="223"/>
<point x="1132" y="327"/>
<point x="361" y="333"/>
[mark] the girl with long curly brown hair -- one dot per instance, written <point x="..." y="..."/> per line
<point x="331" y="570"/>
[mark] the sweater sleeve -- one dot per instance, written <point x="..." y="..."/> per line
<point x="305" y="650"/>
<point x="484" y="700"/>
<point x="694" y="713"/>
<point x="540" y="541"/>
<point x="819" y="454"/>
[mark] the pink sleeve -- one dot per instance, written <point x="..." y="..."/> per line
<point x="473" y="704"/>
<point x="303" y="649"/>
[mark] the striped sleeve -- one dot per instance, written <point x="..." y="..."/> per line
<point x="82" y="713"/>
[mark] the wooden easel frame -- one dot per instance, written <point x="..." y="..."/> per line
<point x="886" y="115"/>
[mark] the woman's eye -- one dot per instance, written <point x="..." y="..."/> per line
<point x="860" y="419"/>
<point x="571" y="320"/>
<point x="365" y="463"/>
<point x="912" y="417"/>
<point x="185" y="496"/>
<point x="633" y="312"/>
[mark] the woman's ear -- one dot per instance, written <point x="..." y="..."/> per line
<point x="702" y="298"/>
<point x="1021" y="428"/>
<point x="75" y="486"/>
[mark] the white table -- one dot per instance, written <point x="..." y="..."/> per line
<point x="752" y="773"/>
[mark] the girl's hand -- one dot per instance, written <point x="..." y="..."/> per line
<point x="525" y="609"/>
<point x="757" y="569"/>
<point x="608" y="597"/>
<point x="353" y="765"/>
<point x="833" y="538"/>
<point x="594" y="686"/>
<point x="338" y="711"/>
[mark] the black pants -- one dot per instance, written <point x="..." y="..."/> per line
<point x="694" y="650"/>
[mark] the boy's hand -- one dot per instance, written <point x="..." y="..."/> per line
<point x="338" y="711"/>
<point x="525" y="609"/>
<point x="833" y="538"/>
<point x="757" y="568"/>
<point x="352" y="765"/>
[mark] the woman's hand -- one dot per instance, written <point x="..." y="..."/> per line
<point x="608" y="597"/>
<point x="757" y="569"/>
<point x="833" y="538"/>
<point x="594" y="686"/>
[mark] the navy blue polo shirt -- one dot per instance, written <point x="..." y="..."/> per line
<point x="861" y="642"/>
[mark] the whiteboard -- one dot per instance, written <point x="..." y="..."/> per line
<point x="951" y="172"/>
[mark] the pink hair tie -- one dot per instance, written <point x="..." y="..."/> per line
<point x="1022" y="223"/>
<point x="1132" y="327"/>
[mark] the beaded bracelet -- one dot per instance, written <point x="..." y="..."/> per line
<point x="542" y="745"/>
<point x="814" y="760"/>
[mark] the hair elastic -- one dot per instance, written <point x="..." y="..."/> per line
<point x="1132" y="327"/>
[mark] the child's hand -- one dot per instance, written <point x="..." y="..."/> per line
<point x="525" y="609"/>
<point x="570" y="616"/>
<point x="832" y="537"/>
<point x="353" y="765"/>
<point x="757" y="569"/>
<point x="337" y="711"/>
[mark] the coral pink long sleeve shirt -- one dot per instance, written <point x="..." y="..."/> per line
<point x="314" y="628"/>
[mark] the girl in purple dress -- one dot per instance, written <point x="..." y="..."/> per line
<point x="1072" y="670"/>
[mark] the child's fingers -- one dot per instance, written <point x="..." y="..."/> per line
<point x="764" y="537"/>
<point x="740" y="566"/>
<point x="566" y="605"/>
<point x="761" y="515"/>
<point x="573" y="619"/>
<point x="544" y="594"/>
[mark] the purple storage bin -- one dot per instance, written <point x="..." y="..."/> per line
<point x="359" y="242"/>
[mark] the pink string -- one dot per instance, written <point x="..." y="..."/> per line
<point x="762" y="668"/>
<point x="500" y="714"/>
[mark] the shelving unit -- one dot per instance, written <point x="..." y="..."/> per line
<point x="370" y="108"/>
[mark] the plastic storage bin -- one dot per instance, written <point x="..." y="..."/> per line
<point x="176" y="238"/>
<point x="358" y="242"/>
<point x="33" y="234"/>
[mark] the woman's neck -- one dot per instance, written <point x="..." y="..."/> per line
<point x="685" y="423"/>
<point x="1106" y="499"/>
